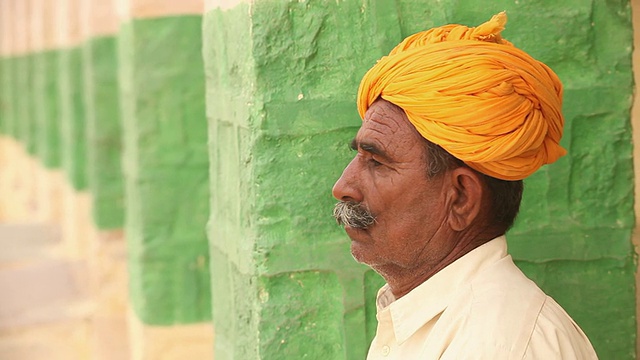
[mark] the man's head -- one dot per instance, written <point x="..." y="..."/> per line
<point x="453" y="120"/>
<point x="406" y="203"/>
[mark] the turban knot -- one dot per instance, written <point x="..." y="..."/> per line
<point x="473" y="93"/>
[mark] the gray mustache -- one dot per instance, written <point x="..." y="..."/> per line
<point x="353" y="215"/>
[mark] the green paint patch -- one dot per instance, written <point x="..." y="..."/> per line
<point x="235" y="316"/>
<point x="302" y="316"/>
<point x="170" y="286"/>
<point x="166" y="166"/>
<point x="317" y="49"/>
<point x="294" y="181"/>
<point x="104" y="132"/>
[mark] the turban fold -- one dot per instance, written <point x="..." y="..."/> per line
<point x="473" y="93"/>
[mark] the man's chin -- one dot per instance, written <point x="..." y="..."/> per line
<point x="361" y="250"/>
<point x="360" y="243"/>
<point x="355" y="234"/>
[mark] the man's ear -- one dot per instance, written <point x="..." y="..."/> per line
<point x="468" y="197"/>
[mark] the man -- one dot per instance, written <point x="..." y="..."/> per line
<point x="453" y="120"/>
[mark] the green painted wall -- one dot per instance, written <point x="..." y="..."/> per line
<point x="39" y="120"/>
<point x="45" y="105"/>
<point x="30" y="103"/>
<point x="281" y="84"/>
<point x="165" y="165"/>
<point x="49" y="144"/>
<point x="104" y="131"/>
<point x="73" y="140"/>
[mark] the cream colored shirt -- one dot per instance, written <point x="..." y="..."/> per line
<point x="479" y="307"/>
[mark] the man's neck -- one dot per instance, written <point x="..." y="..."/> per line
<point x="402" y="280"/>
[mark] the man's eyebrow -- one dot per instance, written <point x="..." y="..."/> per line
<point x="368" y="147"/>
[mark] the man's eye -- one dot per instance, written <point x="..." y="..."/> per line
<point x="374" y="162"/>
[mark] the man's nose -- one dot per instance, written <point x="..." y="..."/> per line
<point x="347" y="187"/>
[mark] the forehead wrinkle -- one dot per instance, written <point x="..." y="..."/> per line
<point x="383" y="128"/>
<point x="379" y="118"/>
<point x="387" y="128"/>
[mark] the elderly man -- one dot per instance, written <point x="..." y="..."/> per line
<point x="453" y="119"/>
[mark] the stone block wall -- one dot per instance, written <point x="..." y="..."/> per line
<point x="281" y="83"/>
<point x="190" y="156"/>
<point x="165" y="164"/>
<point x="277" y="124"/>
<point x="166" y="168"/>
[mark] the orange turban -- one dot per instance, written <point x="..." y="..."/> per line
<point x="477" y="96"/>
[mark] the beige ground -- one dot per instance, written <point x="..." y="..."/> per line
<point x="56" y="307"/>
<point x="63" y="285"/>
<point x="44" y="307"/>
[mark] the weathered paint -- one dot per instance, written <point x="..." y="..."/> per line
<point x="165" y="165"/>
<point x="282" y="77"/>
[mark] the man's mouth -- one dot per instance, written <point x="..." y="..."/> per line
<point x="353" y="215"/>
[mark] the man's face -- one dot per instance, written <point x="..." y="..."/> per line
<point x="388" y="176"/>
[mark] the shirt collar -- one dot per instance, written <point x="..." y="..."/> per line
<point x="429" y="299"/>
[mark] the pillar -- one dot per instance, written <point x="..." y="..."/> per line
<point x="47" y="115"/>
<point x="103" y="127"/>
<point x="166" y="178"/>
<point x="281" y="80"/>
<point x="73" y="140"/>
<point x="105" y="181"/>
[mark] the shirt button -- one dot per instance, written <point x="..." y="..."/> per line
<point x="385" y="350"/>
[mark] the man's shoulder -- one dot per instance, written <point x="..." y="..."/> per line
<point x="505" y="288"/>
<point x="505" y="312"/>
<point x="503" y="302"/>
